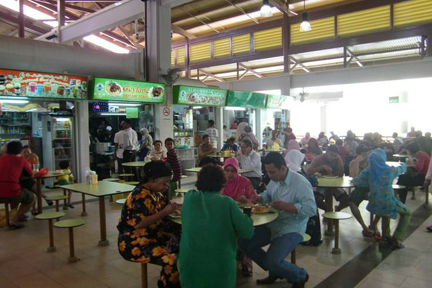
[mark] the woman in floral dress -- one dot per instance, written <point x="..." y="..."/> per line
<point x="144" y="231"/>
<point x="379" y="178"/>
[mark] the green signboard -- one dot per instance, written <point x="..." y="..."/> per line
<point x="125" y="90"/>
<point x="393" y="100"/>
<point x="246" y="99"/>
<point x="278" y="101"/>
<point x="131" y="112"/>
<point x="199" y="96"/>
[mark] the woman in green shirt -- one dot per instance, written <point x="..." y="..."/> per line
<point x="210" y="226"/>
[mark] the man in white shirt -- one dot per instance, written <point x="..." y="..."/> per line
<point x="213" y="133"/>
<point x="130" y="144"/>
<point x="118" y="141"/>
<point x="249" y="159"/>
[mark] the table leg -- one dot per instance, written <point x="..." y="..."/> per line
<point x="51" y="247"/>
<point x="39" y="195"/>
<point x="103" y="241"/>
<point x="72" y="258"/>
<point x="84" y="212"/>
<point x="427" y="195"/>
<point x="336" y="249"/>
<point x="329" y="204"/>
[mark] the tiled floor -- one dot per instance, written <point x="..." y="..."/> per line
<point x="24" y="261"/>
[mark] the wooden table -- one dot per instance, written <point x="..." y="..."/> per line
<point x="339" y="182"/>
<point x="198" y="169"/>
<point x="258" y="219"/>
<point x="100" y="190"/>
<point x="50" y="174"/>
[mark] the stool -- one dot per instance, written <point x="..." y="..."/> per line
<point x="70" y="224"/>
<point x="50" y="216"/>
<point x="8" y="201"/>
<point x="121" y="201"/>
<point x="131" y="183"/>
<point x="144" y="280"/>
<point x="125" y="176"/>
<point x="336" y="216"/>
<point x="111" y="179"/>
<point x="57" y="198"/>
<point x="306" y="237"/>
<point x="427" y="196"/>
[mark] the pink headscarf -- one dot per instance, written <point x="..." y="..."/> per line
<point x="238" y="187"/>
<point x="292" y="145"/>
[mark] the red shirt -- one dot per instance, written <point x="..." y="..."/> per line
<point x="422" y="163"/>
<point x="11" y="169"/>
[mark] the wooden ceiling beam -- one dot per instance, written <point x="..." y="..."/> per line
<point x="29" y="24"/>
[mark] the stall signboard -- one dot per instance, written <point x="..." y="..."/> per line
<point x="199" y="96"/>
<point x="42" y="85"/>
<point x="246" y="99"/>
<point x="277" y="101"/>
<point x="126" y="90"/>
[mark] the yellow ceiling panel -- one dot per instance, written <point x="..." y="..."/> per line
<point x="181" y="56"/>
<point x="321" y="29"/>
<point x="199" y="52"/>
<point x="241" y="44"/>
<point x="172" y="58"/>
<point x="222" y="48"/>
<point x="412" y="12"/>
<point x="268" y="39"/>
<point x="365" y="21"/>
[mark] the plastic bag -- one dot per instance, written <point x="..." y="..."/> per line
<point x="42" y="172"/>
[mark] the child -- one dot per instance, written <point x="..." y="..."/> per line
<point x="157" y="153"/>
<point x="66" y="180"/>
<point x="173" y="161"/>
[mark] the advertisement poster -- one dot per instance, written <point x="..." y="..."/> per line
<point x="42" y="85"/>
<point x="124" y="90"/>
<point x="246" y="99"/>
<point x="278" y="101"/>
<point x="199" y="96"/>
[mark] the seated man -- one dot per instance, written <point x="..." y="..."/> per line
<point x="250" y="160"/>
<point x="292" y="195"/>
<point x="12" y="167"/>
<point x="230" y="145"/>
<point x="329" y="164"/>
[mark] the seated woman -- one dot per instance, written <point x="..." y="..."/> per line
<point x="206" y="148"/>
<point x="273" y="140"/>
<point x="230" y="145"/>
<point x="211" y="224"/>
<point x="145" y="144"/>
<point x="240" y="189"/>
<point x="144" y="232"/>
<point x="312" y="150"/>
<point x="292" y="145"/>
<point x="157" y="153"/>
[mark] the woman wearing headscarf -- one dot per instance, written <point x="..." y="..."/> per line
<point x="240" y="189"/>
<point x="313" y="149"/>
<point x="145" y="144"/>
<point x="292" y="145"/>
<point x="378" y="176"/>
<point x="305" y="140"/>
<point x="144" y="230"/>
<point x="245" y="132"/>
<point x="294" y="160"/>
<point x="241" y="131"/>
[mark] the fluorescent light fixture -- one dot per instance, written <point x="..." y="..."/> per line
<point x="305" y="25"/>
<point x="359" y="63"/>
<point x="124" y="104"/>
<point x="14" y="101"/>
<point x="113" y="114"/>
<point x="12" y="98"/>
<point x="62" y="119"/>
<point x="235" y="108"/>
<point x="266" y="11"/>
<point x="197" y="107"/>
<point x="32" y="110"/>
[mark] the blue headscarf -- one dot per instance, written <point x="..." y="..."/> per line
<point x="377" y="165"/>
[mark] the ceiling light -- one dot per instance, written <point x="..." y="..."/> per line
<point x="112" y="114"/>
<point x="197" y="107"/>
<point x="305" y="25"/>
<point x="14" y="101"/>
<point x="266" y="11"/>
<point x="235" y="108"/>
<point x="124" y="104"/>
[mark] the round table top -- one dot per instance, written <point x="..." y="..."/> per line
<point x="50" y="215"/>
<point x="338" y="182"/>
<point x="337" y="215"/>
<point x="258" y="219"/>
<point x="121" y="201"/>
<point x="393" y="163"/>
<point x="111" y="179"/>
<point x="131" y="183"/>
<point x="57" y="197"/>
<point x="69" y="223"/>
<point x="135" y="164"/>
<point x="182" y="190"/>
<point x="306" y="237"/>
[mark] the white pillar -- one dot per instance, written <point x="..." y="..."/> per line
<point x="219" y="126"/>
<point x="259" y="129"/>
<point x="323" y="119"/>
<point x="82" y="140"/>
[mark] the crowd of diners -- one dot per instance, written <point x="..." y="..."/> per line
<point x="216" y="240"/>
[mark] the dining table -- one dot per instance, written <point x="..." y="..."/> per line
<point x="198" y="169"/>
<point x="137" y="165"/>
<point x="100" y="190"/>
<point x="51" y="174"/>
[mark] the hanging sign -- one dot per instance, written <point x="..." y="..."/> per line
<point x="199" y="96"/>
<point x="278" y="101"/>
<point x="131" y="112"/>
<point x="125" y="90"/>
<point x="246" y="99"/>
<point x="42" y="85"/>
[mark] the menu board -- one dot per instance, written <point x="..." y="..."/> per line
<point x="199" y="96"/>
<point x="125" y="90"/>
<point x="246" y="99"/>
<point x="42" y="85"/>
<point x="277" y="101"/>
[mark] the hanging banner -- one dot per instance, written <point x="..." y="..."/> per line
<point x="125" y="90"/>
<point x="42" y="85"/>
<point x="246" y="99"/>
<point x="278" y="101"/>
<point x="199" y="96"/>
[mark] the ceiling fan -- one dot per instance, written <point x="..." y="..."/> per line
<point x="303" y="95"/>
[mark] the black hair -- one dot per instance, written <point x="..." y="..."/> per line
<point x="361" y="149"/>
<point x="211" y="178"/>
<point x="14" y="147"/>
<point x="276" y="159"/>
<point x="224" y="126"/>
<point x="205" y="136"/>
<point x="157" y="141"/>
<point x="247" y="142"/>
<point x="231" y="139"/>
<point x="128" y="121"/>
<point x="64" y="164"/>
<point x="339" y="142"/>
<point x="211" y="122"/>
<point x="168" y="140"/>
<point x="156" y="169"/>
<point x="25" y="147"/>
<point x="333" y="148"/>
<point x="411" y="147"/>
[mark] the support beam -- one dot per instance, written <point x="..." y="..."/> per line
<point x="21" y="20"/>
<point x="251" y="70"/>
<point x="129" y="38"/>
<point x="61" y="11"/>
<point x="52" y="6"/>
<point x="29" y="24"/>
<point x="182" y="32"/>
<point x="355" y="57"/>
<point x="299" y="64"/>
<point x="286" y="41"/>
<point x="243" y="11"/>
<point x="282" y="7"/>
<point x="212" y="75"/>
<point x="174" y="3"/>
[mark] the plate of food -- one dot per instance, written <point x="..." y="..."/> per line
<point x="177" y="212"/>
<point x="113" y="88"/>
<point x="329" y="177"/>
<point x="155" y="92"/>
<point x="259" y="209"/>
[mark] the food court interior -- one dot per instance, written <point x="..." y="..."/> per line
<point x="72" y="73"/>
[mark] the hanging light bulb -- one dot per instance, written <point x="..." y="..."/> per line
<point x="305" y="25"/>
<point x="266" y="11"/>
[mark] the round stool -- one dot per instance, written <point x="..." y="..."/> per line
<point x="6" y="202"/>
<point x="121" y="201"/>
<point x="131" y="183"/>
<point x="335" y="217"/>
<point x="50" y="216"/>
<point x="111" y="179"/>
<point x="70" y="224"/>
<point x="57" y="198"/>
<point x="306" y="237"/>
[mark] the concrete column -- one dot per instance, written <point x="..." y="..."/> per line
<point x="159" y="60"/>
<point x="219" y="126"/>
<point x="324" y="119"/>
<point x="82" y="141"/>
<point x="259" y="127"/>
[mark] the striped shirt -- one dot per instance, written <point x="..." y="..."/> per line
<point x="213" y="133"/>
<point x="174" y="162"/>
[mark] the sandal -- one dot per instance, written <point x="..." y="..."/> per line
<point x="23" y="218"/>
<point x="429" y="229"/>
<point x="15" y="226"/>
<point x="368" y="233"/>
<point x="397" y="245"/>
